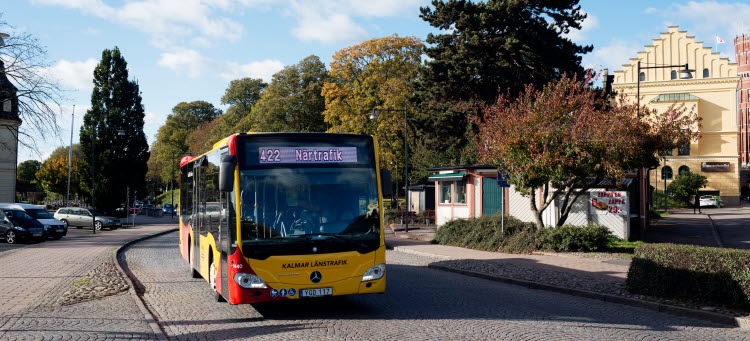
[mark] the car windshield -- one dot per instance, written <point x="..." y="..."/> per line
<point x="15" y="215"/>
<point x="167" y="206"/>
<point x="39" y="214"/>
<point x="282" y="206"/>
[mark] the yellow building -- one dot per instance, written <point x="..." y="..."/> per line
<point x="711" y="93"/>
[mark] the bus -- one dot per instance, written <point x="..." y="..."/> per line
<point x="279" y="216"/>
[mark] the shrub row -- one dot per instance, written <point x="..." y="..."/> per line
<point x="703" y="274"/>
<point x="485" y="233"/>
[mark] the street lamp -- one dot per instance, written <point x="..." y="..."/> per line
<point x="684" y="74"/>
<point x="373" y="116"/>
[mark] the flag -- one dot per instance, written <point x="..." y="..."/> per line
<point x="719" y="40"/>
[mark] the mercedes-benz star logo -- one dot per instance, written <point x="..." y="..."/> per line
<point x="315" y="277"/>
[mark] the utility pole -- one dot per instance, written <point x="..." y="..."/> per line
<point x="70" y="154"/>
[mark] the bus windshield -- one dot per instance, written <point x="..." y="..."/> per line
<point x="289" y="209"/>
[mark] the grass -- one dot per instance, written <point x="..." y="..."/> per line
<point x="617" y="245"/>
<point x="166" y="197"/>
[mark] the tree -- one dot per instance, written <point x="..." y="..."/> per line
<point x="53" y="174"/>
<point x="567" y="137"/>
<point x="39" y="94"/>
<point x="687" y="184"/>
<point x="376" y="73"/>
<point x="485" y="49"/>
<point x="172" y="138"/>
<point x="119" y="159"/>
<point x="241" y="96"/>
<point x="293" y="101"/>
<point x="27" y="171"/>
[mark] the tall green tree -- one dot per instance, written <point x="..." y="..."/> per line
<point x="172" y="138"/>
<point x="293" y="101"/>
<point x="112" y="137"/>
<point x="484" y="49"/>
<point x="241" y="95"/>
<point x="27" y="170"/>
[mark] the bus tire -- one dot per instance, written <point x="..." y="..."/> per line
<point x="212" y="281"/>
<point x="193" y="273"/>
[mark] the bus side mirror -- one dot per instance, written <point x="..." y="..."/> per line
<point x="226" y="173"/>
<point x="386" y="183"/>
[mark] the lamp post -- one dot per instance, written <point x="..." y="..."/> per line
<point x="643" y="175"/>
<point x="70" y="154"/>
<point x="374" y="115"/>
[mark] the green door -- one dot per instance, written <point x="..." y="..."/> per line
<point x="492" y="196"/>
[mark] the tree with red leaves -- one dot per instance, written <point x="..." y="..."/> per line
<point x="558" y="141"/>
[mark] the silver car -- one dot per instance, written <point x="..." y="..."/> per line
<point x="81" y="217"/>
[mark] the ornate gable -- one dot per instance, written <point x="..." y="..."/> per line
<point x="675" y="47"/>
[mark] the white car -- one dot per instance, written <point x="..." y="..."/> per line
<point x="55" y="228"/>
<point x="708" y="200"/>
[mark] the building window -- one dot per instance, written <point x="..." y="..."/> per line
<point x="706" y="73"/>
<point x="666" y="173"/>
<point x="642" y="76"/>
<point x="684" y="149"/>
<point x="460" y="192"/>
<point x="683" y="169"/>
<point x="667" y="153"/>
<point x="673" y="74"/>
<point x="7" y="107"/>
<point x="445" y="192"/>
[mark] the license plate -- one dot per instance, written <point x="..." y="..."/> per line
<point x="36" y="234"/>
<point x="316" y="292"/>
<point x="60" y="230"/>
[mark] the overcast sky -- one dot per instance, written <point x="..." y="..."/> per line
<point x="187" y="50"/>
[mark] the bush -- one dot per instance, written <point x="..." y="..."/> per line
<point x="390" y="216"/>
<point x="702" y="274"/>
<point x="483" y="233"/>
<point x="575" y="238"/>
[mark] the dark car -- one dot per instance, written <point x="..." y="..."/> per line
<point x="167" y="208"/>
<point x="16" y="225"/>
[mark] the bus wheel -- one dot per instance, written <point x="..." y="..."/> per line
<point x="212" y="280"/>
<point x="193" y="273"/>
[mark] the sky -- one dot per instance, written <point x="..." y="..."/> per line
<point x="188" y="50"/>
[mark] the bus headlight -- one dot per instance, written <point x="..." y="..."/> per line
<point x="374" y="272"/>
<point x="249" y="281"/>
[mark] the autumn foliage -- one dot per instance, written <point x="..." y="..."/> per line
<point x="558" y="137"/>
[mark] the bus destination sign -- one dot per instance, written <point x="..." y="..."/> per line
<point x="291" y="155"/>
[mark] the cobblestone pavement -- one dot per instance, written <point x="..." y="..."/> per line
<point x="69" y="289"/>
<point x="420" y="304"/>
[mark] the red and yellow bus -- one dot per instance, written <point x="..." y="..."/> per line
<point x="277" y="216"/>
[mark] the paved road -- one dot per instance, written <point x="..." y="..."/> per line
<point x="420" y="304"/>
<point x="733" y="226"/>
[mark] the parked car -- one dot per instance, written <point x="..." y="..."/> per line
<point x="167" y="208"/>
<point x="82" y="217"/>
<point x="708" y="200"/>
<point x="56" y="229"/>
<point x="16" y="225"/>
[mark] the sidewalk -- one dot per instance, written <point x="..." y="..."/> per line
<point x="41" y="281"/>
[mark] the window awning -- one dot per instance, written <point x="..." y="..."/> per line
<point x="446" y="177"/>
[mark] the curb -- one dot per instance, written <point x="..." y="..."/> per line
<point x="420" y="253"/>
<point x="147" y="313"/>
<point x="740" y="322"/>
<point x="715" y="231"/>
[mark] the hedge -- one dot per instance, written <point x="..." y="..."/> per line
<point x="485" y="233"/>
<point x="704" y="275"/>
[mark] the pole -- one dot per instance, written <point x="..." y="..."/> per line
<point x="171" y="184"/>
<point x="502" y="211"/>
<point x="665" y="185"/>
<point x="638" y="89"/>
<point x="93" y="181"/>
<point x="406" y="170"/>
<point x="70" y="154"/>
